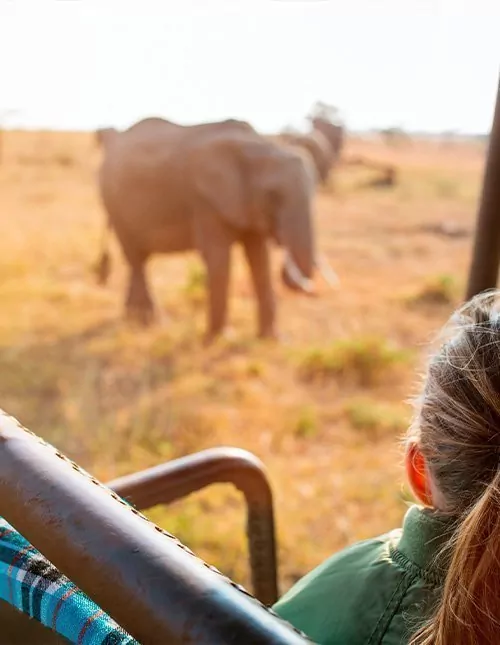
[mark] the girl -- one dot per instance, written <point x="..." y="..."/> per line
<point x="436" y="581"/>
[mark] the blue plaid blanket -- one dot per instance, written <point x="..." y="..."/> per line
<point x="30" y="583"/>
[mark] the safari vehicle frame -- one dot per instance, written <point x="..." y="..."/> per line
<point x="144" y="577"/>
<point x="149" y="582"/>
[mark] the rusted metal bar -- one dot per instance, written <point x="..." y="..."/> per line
<point x="176" y="479"/>
<point x="143" y="577"/>
<point x="486" y="255"/>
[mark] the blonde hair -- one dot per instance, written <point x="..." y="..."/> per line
<point x="457" y="426"/>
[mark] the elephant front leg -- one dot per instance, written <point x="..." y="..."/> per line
<point x="214" y="242"/>
<point x="139" y="305"/>
<point x="257" y="254"/>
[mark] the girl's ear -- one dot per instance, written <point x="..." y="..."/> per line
<point x="417" y="474"/>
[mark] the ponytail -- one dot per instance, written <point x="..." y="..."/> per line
<point x="469" y="608"/>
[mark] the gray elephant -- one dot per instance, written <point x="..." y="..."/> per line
<point x="334" y="133"/>
<point x="169" y="188"/>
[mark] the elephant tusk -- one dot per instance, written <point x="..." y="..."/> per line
<point x="329" y="275"/>
<point x="296" y="276"/>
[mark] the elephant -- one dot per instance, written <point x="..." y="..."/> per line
<point x="169" y="188"/>
<point x="334" y="134"/>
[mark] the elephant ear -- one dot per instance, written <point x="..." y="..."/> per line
<point x="223" y="181"/>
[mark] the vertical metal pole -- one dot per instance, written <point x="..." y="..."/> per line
<point x="486" y="256"/>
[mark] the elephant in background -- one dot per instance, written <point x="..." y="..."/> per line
<point x="168" y="188"/>
<point x="323" y="144"/>
<point x="333" y="133"/>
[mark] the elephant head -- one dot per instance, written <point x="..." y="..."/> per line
<point x="264" y="188"/>
<point x="294" y="223"/>
<point x="316" y="146"/>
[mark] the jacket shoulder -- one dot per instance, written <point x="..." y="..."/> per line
<point x="344" y="598"/>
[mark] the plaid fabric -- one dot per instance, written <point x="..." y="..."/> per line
<point x="33" y="585"/>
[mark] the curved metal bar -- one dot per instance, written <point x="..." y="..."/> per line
<point x="176" y="479"/>
<point x="143" y="577"/>
<point x="486" y="255"/>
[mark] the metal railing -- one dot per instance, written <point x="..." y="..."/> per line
<point x="178" y="478"/>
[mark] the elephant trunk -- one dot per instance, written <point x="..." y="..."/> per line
<point x="297" y="232"/>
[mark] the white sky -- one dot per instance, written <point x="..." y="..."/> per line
<point x="421" y="64"/>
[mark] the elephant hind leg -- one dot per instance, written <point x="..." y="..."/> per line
<point x="257" y="254"/>
<point x="139" y="305"/>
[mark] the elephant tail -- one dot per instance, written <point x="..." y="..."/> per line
<point x="102" y="267"/>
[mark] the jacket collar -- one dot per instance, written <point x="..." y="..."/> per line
<point x="425" y="536"/>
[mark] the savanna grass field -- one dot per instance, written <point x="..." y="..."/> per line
<point x="324" y="408"/>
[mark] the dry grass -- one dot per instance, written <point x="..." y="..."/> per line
<point x="118" y="398"/>
<point x="375" y="418"/>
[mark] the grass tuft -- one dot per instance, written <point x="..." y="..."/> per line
<point x="442" y="289"/>
<point x="196" y="285"/>
<point x="364" y="360"/>
<point x="306" y="424"/>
